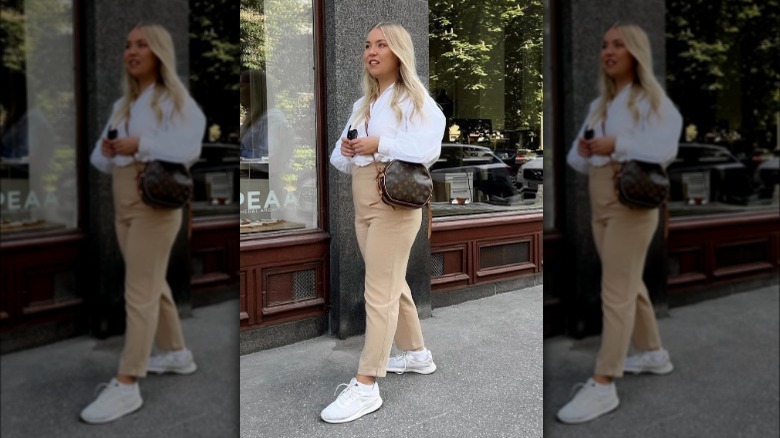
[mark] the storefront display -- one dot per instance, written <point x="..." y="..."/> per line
<point x="38" y="189"/>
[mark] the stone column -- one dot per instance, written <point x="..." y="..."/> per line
<point x="105" y="26"/>
<point x="583" y="25"/>
<point x="347" y="23"/>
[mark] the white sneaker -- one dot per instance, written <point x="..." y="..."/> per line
<point x="352" y="404"/>
<point x="114" y="401"/>
<point x="179" y="362"/>
<point x="590" y="402"/>
<point x="406" y="363"/>
<point x="656" y="362"/>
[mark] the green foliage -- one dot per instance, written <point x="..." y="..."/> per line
<point x="304" y="159"/>
<point x="12" y="38"/>
<point x="289" y="50"/>
<point x="468" y="39"/>
<point x="252" y="26"/>
<point x="35" y="33"/>
<point x="277" y="37"/>
<point x="214" y="67"/>
<point x="722" y="64"/>
<point x="35" y="38"/>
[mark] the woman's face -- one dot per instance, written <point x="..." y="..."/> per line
<point x="380" y="61"/>
<point x="140" y="61"/>
<point x="616" y="60"/>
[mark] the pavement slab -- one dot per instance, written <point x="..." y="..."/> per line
<point x="44" y="389"/>
<point x="488" y="381"/>
<point x="725" y="381"/>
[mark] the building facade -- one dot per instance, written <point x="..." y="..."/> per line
<point x="301" y="270"/>
<point x="721" y="232"/>
<point x="293" y="262"/>
<point x="61" y="267"/>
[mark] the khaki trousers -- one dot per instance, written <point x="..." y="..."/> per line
<point x="622" y="236"/>
<point x="145" y="236"/>
<point x="385" y="237"/>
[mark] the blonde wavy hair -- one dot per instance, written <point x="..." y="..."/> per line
<point x="168" y="83"/>
<point x="644" y="84"/>
<point x="408" y="83"/>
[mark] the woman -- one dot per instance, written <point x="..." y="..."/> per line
<point x="156" y="119"/>
<point x="395" y="119"/>
<point x="632" y="119"/>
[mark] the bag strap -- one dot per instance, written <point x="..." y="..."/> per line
<point x="664" y="205"/>
<point x="376" y="166"/>
<point x="615" y="170"/>
<point x="139" y="166"/>
<point x="139" y="170"/>
<point x="430" y="218"/>
<point x="380" y="177"/>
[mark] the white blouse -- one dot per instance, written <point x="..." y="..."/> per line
<point x="415" y="139"/>
<point x="653" y="139"/>
<point x="177" y="138"/>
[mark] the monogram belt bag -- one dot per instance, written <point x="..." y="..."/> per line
<point x="400" y="183"/>
<point x="405" y="185"/>
<point x="641" y="185"/>
<point x="165" y="185"/>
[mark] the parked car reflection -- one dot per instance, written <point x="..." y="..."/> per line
<point x="509" y="157"/>
<point x="530" y="177"/>
<point x="474" y="171"/>
<point x="525" y="155"/>
<point x="215" y="179"/>
<point x="767" y="176"/>
<point x="729" y="180"/>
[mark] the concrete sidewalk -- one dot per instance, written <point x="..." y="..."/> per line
<point x="44" y="389"/>
<point x="488" y="382"/>
<point x="725" y="382"/>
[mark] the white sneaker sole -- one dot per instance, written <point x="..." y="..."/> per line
<point x="365" y="411"/>
<point x="189" y="369"/>
<point x="130" y="410"/>
<point x="666" y="369"/>
<point x="591" y="417"/>
<point x="427" y="370"/>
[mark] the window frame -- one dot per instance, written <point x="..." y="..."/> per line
<point x="79" y="231"/>
<point x="320" y="138"/>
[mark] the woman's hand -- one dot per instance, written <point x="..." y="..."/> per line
<point x="601" y="145"/>
<point x="106" y="149"/>
<point x="346" y="149"/>
<point x="125" y="145"/>
<point x="365" y="145"/>
<point x="582" y="148"/>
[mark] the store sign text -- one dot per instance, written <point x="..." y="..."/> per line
<point x="15" y="200"/>
<point x="253" y="201"/>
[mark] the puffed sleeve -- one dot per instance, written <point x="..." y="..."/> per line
<point x="180" y="139"/>
<point x="574" y="159"/>
<point x="339" y="161"/>
<point x="420" y="141"/>
<point x="100" y="161"/>
<point x="655" y="140"/>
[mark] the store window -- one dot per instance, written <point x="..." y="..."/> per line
<point x="724" y="80"/>
<point x="486" y="74"/>
<point x="213" y="70"/>
<point x="38" y="184"/>
<point x="278" y="185"/>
